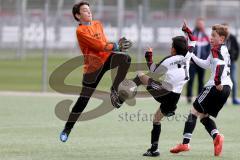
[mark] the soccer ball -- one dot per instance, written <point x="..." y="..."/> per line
<point x="127" y="89"/>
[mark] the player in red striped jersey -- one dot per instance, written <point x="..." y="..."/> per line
<point x="215" y="94"/>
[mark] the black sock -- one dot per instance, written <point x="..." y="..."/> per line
<point x="76" y="112"/>
<point x="189" y="127"/>
<point x="137" y="81"/>
<point x="155" y="134"/>
<point x="72" y="119"/>
<point x="210" y="126"/>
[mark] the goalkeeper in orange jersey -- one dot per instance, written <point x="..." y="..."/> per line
<point x="100" y="55"/>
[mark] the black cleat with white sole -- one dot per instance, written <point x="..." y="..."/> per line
<point x="152" y="153"/>
<point x="115" y="99"/>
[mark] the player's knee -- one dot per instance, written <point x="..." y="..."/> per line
<point x="156" y="120"/>
<point x="144" y="79"/>
<point x="204" y="118"/>
<point x="158" y="117"/>
<point x="193" y="111"/>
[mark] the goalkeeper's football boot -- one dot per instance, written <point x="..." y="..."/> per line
<point x="64" y="135"/>
<point x="218" y="144"/>
<point x="152" y="153"/>
<point x="115" y="99"/>
<point x="180" y="148"/>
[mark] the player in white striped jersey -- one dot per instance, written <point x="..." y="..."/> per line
<point x="215" y="94"/>
<point x="219" y="63"/>
<point x="174" y="71"/>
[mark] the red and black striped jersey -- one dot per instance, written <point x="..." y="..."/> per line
<point x="219" y="62"/>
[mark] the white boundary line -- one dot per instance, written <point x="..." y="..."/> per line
<point x="41" y="94"/>
<point x="34" y="94"/>
<point x="55" y="94"/>
<point x="50" y="94"/>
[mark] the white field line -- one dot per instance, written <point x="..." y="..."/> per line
<point x="34" y="94"/>
<point x="54" y="94"/>
<point x="47" y="94"/>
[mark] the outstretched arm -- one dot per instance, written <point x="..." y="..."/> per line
<point x="191" y="45"/>
<point x="158" y="68"/>
<point x="192" y="40"/>
<point x="188" y="31"/>
<point x="94" y="43"/>
<point x="102" y="46"/>
<point x="205" y="64"/>
<point x="148" y="57"/>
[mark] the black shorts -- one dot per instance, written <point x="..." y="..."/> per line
<point x="210" y="100"/>
<point x="168" y="99"/>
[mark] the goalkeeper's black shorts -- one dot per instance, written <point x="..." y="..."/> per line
<point x="168" y="99"/>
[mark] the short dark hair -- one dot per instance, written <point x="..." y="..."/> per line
<point x="180" y="44"/>
<point x="76" y="8"/>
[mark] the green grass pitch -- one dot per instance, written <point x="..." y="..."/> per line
<point x="26" y="74"/>
<point x="29" y="130"/>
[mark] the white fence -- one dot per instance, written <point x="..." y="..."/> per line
<point x="33" y="35"/>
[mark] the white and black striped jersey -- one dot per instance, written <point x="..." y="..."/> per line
<point x="175" y="70"/>
<point x="219" y="62"/>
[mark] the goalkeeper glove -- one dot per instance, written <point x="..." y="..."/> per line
<point x="123" y="45"/>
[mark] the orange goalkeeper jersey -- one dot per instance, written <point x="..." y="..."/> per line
<point x="94" y="45"/>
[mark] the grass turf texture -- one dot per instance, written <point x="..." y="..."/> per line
<point x="29" y="130"/>
<point x="26" y="74"/>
